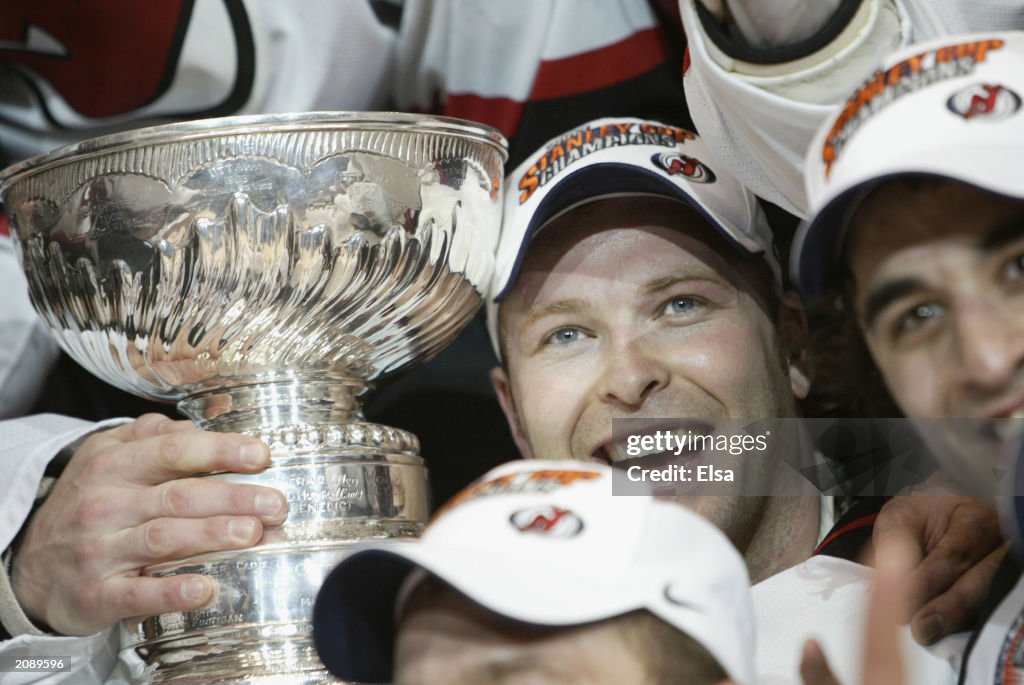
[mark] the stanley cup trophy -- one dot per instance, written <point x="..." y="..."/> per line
<point x="262" y="272"/>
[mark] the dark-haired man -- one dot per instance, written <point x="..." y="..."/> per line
<point x="919" y="227"/>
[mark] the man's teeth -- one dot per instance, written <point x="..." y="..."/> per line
<point x="618" y="451"/>
<point x="1011" y="429"/>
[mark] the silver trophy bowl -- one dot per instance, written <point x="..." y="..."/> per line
<point x="263" y="273"/>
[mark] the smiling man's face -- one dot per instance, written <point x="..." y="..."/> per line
<point x="636" y="308"/>
<point x="937" y="276"/>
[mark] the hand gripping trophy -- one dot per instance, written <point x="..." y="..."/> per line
<point x="262" y="272"/>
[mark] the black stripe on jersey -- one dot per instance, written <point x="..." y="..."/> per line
<point x="245" y="74"/>
<point x="388" y="12"/>
<point x="851" y="535"/>
<point x="732" y="44"/>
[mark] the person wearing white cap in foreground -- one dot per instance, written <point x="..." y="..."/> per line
<point x="538" y="573"/>
<point x="918" y="226"/>
<point x="636" y="281"/>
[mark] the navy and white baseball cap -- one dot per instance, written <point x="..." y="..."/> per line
<point x="545" y="543"/>
<point x="621" y="157"/>
<point x="950" y="108"/>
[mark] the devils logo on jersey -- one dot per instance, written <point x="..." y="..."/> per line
<point x="104" y="59"/>
<point x="548" y="520"/>
<point x="693" y="169"/>
<point x="984" y="100"/>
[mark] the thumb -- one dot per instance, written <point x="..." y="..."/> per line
<point x="883" y="658"/>
<point x="814" y="669"/>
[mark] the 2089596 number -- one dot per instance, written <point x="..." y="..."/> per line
<point x="35" y="664"/>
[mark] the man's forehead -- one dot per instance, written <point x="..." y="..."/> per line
<point x="901" y="215"/>
<point x="919" y="234"/>
<point x="654" y="238"/>
<point x="643" y="226"/>
<point x="633" y="262"/>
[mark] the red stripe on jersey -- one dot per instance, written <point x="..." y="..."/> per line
<point x="862" y="522"/>
<point x="686" y="60"/>
<point x="107" y="57"/>
<point x="5" y="229"/>
<point x="600" y="68"/>
<point x="583" y="73"/>
<point x="503" y="114"/>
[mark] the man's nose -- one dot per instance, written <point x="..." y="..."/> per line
<point x="990" y="341"/>
<point x="632" y="373"/>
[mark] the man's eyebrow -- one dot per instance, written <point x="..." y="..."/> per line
<point x="883" y="296"/>
<point x="1003" y="234"/>
<point x="535" y="314"/>
<point x="666" y="282"/>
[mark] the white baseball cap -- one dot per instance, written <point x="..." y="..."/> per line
<point x="620" y="157"/>
<point x="546" y="543"/>
<point x="949" y="108"/>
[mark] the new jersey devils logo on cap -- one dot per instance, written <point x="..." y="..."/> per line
<point x="673" y="163"/>
<point x="984" y="100"/>
<point x="547" y="520"/>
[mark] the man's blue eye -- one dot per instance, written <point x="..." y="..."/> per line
<point x="680" y="305"/>
<point x="564" y="336"/>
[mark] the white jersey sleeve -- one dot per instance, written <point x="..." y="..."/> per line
<point x="92" y="660"/>
<point x="759" y="119"/>
<point x="26" y="447"/>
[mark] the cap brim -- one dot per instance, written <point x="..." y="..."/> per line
<point x="817" y="242"/>
<point x="606" y="180"/>
<point x="354" y="616"/>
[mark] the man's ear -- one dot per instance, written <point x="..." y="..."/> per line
<point x="792" y="325"/>
<point x="503" y="389"/>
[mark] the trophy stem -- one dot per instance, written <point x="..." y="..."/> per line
<point x="253" y="407"/>
<point x="344" y="479"/>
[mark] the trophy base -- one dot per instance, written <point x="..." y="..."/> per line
<point x="244" y="656"/>
<point x="257" y="628"/>
<point x="344" y="483"/>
